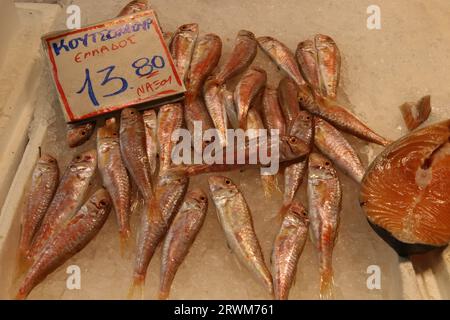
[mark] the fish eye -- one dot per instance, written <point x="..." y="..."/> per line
<point x="132" y="112"/>
<point x="83" y="133"/>
<point x="78" y="158"/>
<point x="202" y="198"/>
<point x="327" y="163"/>
<point x="308" y="117"/>
<point x="102" y="203"/>
<point x="227" y="181"/>
<point x="114" y="134"/>
<point x="293" y="139"/>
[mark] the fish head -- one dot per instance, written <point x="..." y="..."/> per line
<point x="247" y="34"/>
<point x="297" y="214"/>
<point x="291" y="147"/>
<point x="84" y="163"/>
<point x="320" y="167"/>
<point x="222" y="187"/>
<point x="188" y="29"/>
<point x="267" y="43"/>
<point x="196" y="199"/>
<point x="76" y="134"/>
<point x="324" y="41"/>
<point x="302" y="127"/>
<point x="129" y="116"/>
<point x="173" y="177"/>
<point x="101" y="201"/>
<point x="306" y="97"/>
<point x="109" y="130"/>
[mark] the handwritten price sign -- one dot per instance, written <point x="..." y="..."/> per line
<point x="106" y="67"/>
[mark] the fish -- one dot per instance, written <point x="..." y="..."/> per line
<point x="273" y="120"/>
<point x="182" y="233"/>
<point x="290" y="148"/>
<point x="133" y="149"/>
<point x="338" y="116"/>
<point x="302" y="127"/>
<point x="243" y="54"/>
<point x="254" y="122"/>
<point x="404" y="193"/>
<point x="205" y="58"/>
<point x="287" y="98"/>
<point x="115" y="176"/>
<point x="72" y="238"/>
<point x="272" y="116"/>
<point x="306" y="55"/>
<point x="182" y="47"/>
<point x="195" y="111"/>
<point x="77" y="134"/>
<point x="134" y="6"/>
<point x="282" y="56"/>
<point x="214" y="101"/>
<point x="236" y="221"/>
<point x="151" y="140"/>
<point x="334" y="145"/>
<point x="155" y="221"/>
<point x="324" y="204"/>
<point x="68" y="198"/>
<point x="329" y="63"/>
<point x="170" y="118"/>
<point x="414" y="114"/>
<point x="230" y="108"/>
<point x="44" y="182"/>
<point x="249" y="87"/>
<point x="287" y="249"/>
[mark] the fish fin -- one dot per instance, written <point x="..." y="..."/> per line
<point x="163" y="295"/>
<point x="125" y="242"/>
<point x="326" y="285"/>
<point x="20" y="296"/>
<point x="136" y="290"/>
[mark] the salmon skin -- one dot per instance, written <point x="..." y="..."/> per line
<point x="170" y="119"/>
<point x="205" y="58"/>
<point x="236" y="221"/>
<point x="414" y="114"/>
<point x="44" y="182"/>
<point x="151" y="139"/>
<point x="77" y="134"/>
<point x="334" y="145"/>
<point x="114" y="175"/>
<point x="287" y="248"/>
<point x="182" y="233"/>
<point x="282" y="56"/>
<point x="324" y="205"/>
<point x="338" y="116"/>
<point x="404" y="193"/>
<point x="182" y="47"/>
<point x="287" y="98"/>
<point x="249" y="87"/>
<point x="290" y="148"/>
<point x="155" y="221"/>
<point x="133" y="149"/>
<point x="72" y="238"/>
<point x="243" y="54"/>
<point x="68" y="198"/>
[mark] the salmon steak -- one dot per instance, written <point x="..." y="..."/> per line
<point x="405" y="191"/>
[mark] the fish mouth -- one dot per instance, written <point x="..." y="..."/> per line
<point x="193" y="27"/>
<point x="246" y="33"/>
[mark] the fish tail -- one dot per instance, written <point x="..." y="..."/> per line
<point x="125" y="243"/>
<point x="163" y="295"/>
<point x="20" y="296"/>
<point x="326" y="284"/>
<point x="23" y="264"/>
<point x="137" y="288"/>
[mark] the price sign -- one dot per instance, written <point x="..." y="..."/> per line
<point x="109" y="66"/>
